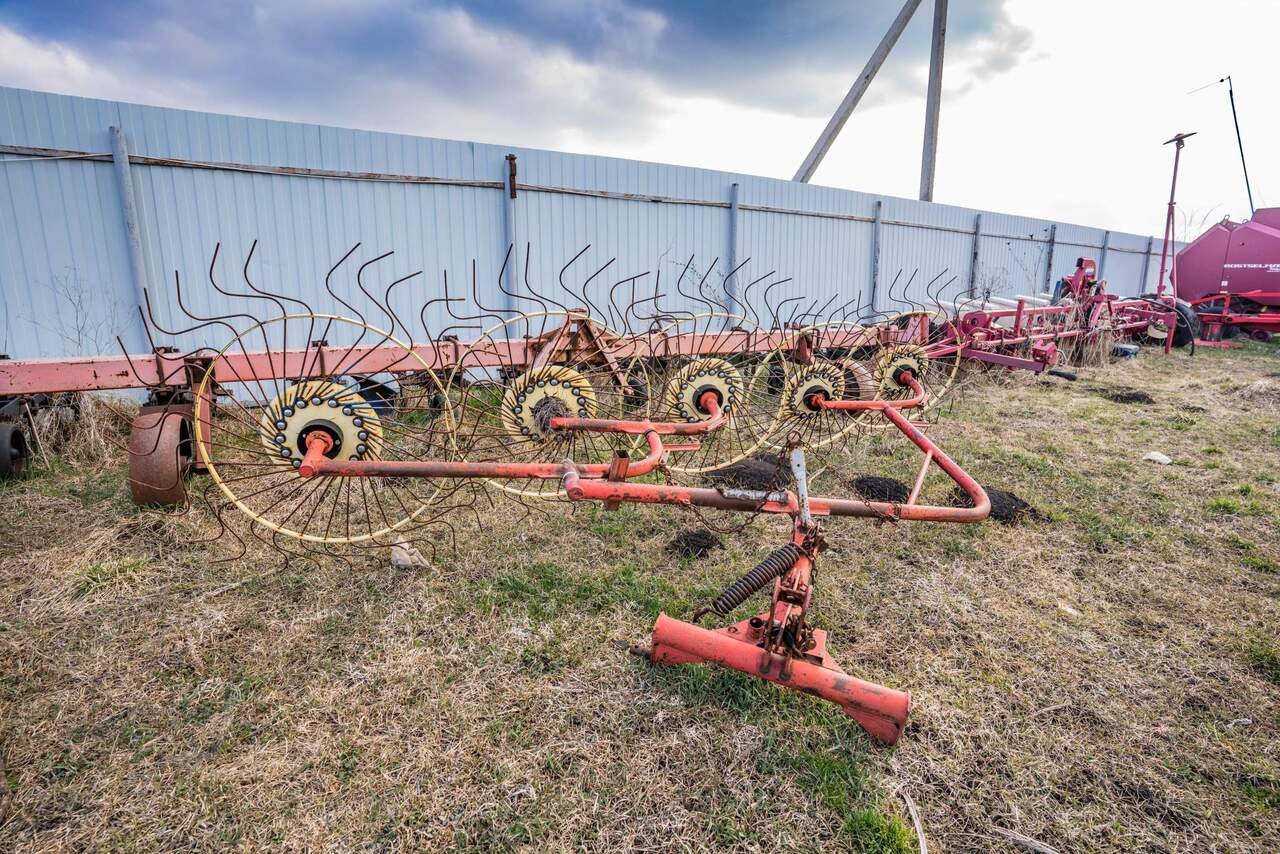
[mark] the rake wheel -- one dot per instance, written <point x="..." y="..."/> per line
<point x="837" y="370"/>
<point x="532" y="367"/>
<point x="708" y="352"/>
<point x="253" y="442"/>
<point x="938" y="372"/>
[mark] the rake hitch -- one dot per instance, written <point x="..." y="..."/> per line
<point x="778" y="644"/>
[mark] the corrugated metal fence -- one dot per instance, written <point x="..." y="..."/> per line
<point x="307" y="193"/>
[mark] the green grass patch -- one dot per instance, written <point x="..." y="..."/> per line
<point x="549" y="590"/>
<point x="1264" y="656"/>
<point x="838" y="777"/>
<point x="109" y="572"/>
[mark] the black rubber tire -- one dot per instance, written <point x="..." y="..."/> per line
<point x="14" y="451"/>
<point x="1187" y="328"/>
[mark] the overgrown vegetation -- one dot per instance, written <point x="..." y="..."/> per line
<point x="1102" y="676"/>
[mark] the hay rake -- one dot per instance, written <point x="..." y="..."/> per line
<point x="338" y="431"/>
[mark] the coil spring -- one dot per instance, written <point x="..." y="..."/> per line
<point x="775" y="564"/>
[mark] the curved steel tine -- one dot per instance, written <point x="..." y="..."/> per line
<point x="515" y="296"/>
<point x="531" y="289"/>
<point x="475" y="289"/>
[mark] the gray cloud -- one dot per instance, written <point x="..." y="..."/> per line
<point x="537" y="70"/>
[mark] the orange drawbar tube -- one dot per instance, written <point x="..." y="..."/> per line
<point x="881" y="711"/>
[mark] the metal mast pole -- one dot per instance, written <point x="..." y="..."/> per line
<point x="928" y="160"/>
<point x="1179" y="141"/>
<point x="1232" y="95"/>
<point x="859" y="88"/>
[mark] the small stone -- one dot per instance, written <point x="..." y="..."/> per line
<point x="1067" y="609"/>
<point x="1157" y="457"/>
<point x="405" y="556"/>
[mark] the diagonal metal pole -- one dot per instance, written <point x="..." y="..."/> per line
<point x="856" y="91"/>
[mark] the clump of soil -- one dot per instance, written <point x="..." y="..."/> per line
<point x="1126" y="395"/>
<point x="1262" y="391"/>
<point x="696" y="542"/>
<point x="1006" y="507"/>
<point x="761" y="472"/>
<point x="875" y="488"/>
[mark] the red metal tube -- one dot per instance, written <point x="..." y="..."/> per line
<point x="318" y="444"/>
<point x="321" y="465"/>
<point x="881" y="711"/>
<point x="920" y="397"/>
<point x="580" y="489"/>
<point x="709" y="401"/>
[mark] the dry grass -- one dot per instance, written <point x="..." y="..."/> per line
<point x="1102" y="680"/>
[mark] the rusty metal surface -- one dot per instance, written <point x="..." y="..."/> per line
<point x="159" y="456"/>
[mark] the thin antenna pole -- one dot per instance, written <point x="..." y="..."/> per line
<point x="1239" y="142"/>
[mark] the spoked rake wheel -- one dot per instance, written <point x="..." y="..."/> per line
<point x="253" y="442"/>
<point x="712" y="353"/>
<point x="522" y="373"/>
<point x="909" y="339"/>
<point x="836" y="370"/>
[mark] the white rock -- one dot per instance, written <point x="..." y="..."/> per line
<point x="405" y="556"/>
<point x="1157" y="457"/>
<point x="1067" y="609"/>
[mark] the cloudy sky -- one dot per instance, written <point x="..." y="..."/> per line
<point x="1052" y="109"/>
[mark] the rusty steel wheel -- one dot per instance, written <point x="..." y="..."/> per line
<point x="14" y="451"/>
<point x="159" y="456"/>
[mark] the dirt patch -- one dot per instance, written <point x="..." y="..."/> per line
<point x="1124" y="395"/>
<point x="1262" y="391"/>
<point x="876" y="488"/>
<point x="1007" y="508"/>
<point x="696" y="542"/>
<point x="761" y="472"/>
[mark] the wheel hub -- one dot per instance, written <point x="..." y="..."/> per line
<point x="898" y="360"/>
<point x="826" y="379"/>
<point x="534" y="398"/>
<point x="351" y="423"/>
<point x="682" y="396"/>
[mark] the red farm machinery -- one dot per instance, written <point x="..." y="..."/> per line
<point x="331" y="433"/>
<point x="1231" y="276"/>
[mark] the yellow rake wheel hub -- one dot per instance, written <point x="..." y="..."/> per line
<point x="341" y="413"/>
<point x="894" y="360"/>
<point x="534" y="398"/>
<point x="826" y="378"/>
<point x="683" y="392"/>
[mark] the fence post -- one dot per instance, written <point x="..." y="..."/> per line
<point x="731" y="286"/>
<point x="509" y="227"/>
<point x="1146" y="265"/>
<point x="875" y="257"/>
<point x="1048" y="267"/>
<point x="132" y="225"/>
<point x="1102" y="262"/>
<point x="973" y="263"/>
